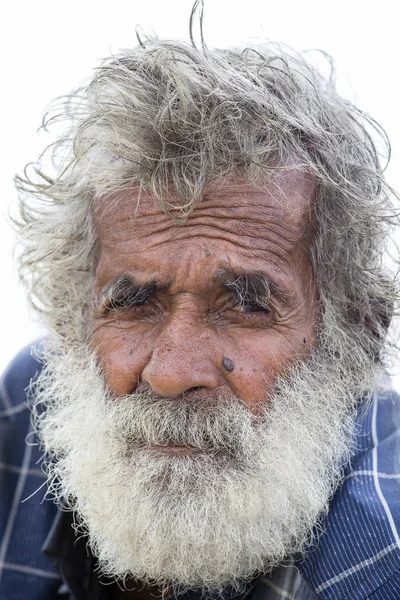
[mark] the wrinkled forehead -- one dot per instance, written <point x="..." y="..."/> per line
<point x="288" y="198"/>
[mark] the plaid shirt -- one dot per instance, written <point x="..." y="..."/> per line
<point x="357" y="557"/>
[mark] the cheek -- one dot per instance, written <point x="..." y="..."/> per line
<point x="260" y="358"/>
<point x="122" y="356"/>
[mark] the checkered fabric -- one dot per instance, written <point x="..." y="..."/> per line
<point x="25" y="518"/>
<point x="356" y="557"/>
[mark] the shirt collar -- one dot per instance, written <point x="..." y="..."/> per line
<point x="71" y="556"/>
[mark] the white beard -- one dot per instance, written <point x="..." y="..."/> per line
<point x="249" y="498"/>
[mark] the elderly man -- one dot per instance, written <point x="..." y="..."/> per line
<point x="210" y="399"/>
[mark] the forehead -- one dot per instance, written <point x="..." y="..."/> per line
<point x="234" y="222"/>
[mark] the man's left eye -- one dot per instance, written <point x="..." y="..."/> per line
<point x="253" y="308"/>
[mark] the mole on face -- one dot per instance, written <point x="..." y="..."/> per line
<point x="228" y="364"/>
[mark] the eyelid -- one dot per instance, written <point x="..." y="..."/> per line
<point x="259" y="307"/>
<point x="116" y="304"/>
<point x="251" y="299"/>
<point x="129" y="300"/>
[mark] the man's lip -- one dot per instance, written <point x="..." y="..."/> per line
<point x="175" y="448"/>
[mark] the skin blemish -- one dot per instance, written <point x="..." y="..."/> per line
<point x="228" y="364"/>
<point x="304" y="341"/>
<point x="207" y="252"/>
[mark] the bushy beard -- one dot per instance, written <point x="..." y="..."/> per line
<point x="246" y="497"/>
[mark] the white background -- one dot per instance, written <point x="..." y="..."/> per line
<point x="48" y="47"/>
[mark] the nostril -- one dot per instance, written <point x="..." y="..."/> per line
<point x="197" y="391"/>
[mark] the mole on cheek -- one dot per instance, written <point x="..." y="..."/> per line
<point x="228" y="364"/>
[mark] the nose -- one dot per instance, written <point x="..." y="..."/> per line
<point x="181" y="360"/>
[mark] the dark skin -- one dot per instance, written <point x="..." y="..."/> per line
<point x="179" y="307"/>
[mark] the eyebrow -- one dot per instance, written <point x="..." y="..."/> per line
<point x="126" y="292"/>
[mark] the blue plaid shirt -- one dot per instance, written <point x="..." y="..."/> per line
<point x="357" y="557"/>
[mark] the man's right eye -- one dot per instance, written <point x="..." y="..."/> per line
<point x="126" y="303"/>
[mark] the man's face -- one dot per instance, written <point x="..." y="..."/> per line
<point x="225" y="301"/>
<point x="202" y="414"/>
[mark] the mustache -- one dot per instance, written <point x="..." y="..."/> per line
<point x="215" y="422"/>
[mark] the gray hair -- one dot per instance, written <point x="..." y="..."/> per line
<point x="168" y="115"/>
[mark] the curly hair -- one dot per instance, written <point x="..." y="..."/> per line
<point x="169" y="114"/>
